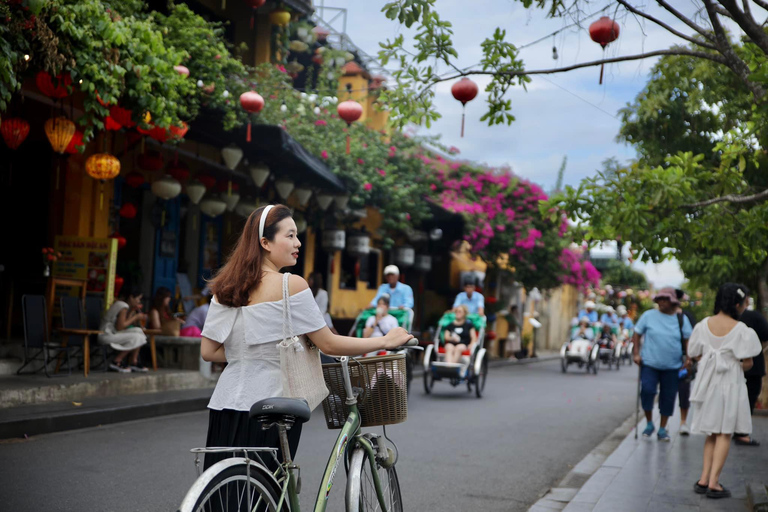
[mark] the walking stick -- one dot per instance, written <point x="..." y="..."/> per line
<point x="637" y="402"/>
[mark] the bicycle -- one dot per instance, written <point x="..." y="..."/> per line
<point x="245" y="482"/>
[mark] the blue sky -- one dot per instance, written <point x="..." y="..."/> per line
<point x="562" y="114"/>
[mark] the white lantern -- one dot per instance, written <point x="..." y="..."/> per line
<point x="334" y="239"/>
<point x="231" y="200"/>
<point x="324" y="201"/>
<point x="196" y="190"/>
<point x="284" y="188"/>
<point x="359" y="244"/>
<point x="303" y="195"/>
<point x="405" y="256"/>
<point x="301" y="222"/>
<point x="245" y="208"/>
<point x="341" y="201"/>
<point x="259" y="173"/>
<point x="423" y="262"/>
<point x="232" y="156"/>
<point x="212" y="206"/>
<point x="166" y="187"/>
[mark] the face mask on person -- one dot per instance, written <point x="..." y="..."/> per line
<point x="381" y="310"/>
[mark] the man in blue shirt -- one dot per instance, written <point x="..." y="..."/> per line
<point x="610" y="318"/>
<point x="589" y="312"/>
<point x="624" y="321"/>
<point x="400" y="294"/>
<point x="474" y="301"/>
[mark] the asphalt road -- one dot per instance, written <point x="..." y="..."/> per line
<point x="457" y="452"/>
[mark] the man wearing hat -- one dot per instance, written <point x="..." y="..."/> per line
<point x="660" y="358"/>
<point x="471" y="298"/>
<point x="589" y="312"/>
<point x="610" y="318"/>
<point x="400" y="294"/>
<point x="624" y="321"/>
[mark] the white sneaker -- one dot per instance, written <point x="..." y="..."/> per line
<point x="684" y="430"/>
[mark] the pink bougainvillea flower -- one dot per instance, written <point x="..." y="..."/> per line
<point x="433" y="187"/>
<point x="360" y="161"/>
<point x="281" y="68"/>
<point x="324" y="154"/>
<point x="367" y="187"/>
<point x="321" y="122"/>
<point x="382" y="172"/>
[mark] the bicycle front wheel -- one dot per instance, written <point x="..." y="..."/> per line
<point x="361" y="488"/>
<point x="233" y="489"/>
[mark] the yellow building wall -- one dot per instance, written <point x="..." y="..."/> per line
<point x="83" y="213"/>
<point x="359" y="92"/>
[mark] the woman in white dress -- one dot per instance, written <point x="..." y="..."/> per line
<point x="121" y="333"/>
<point x="245" y="324"/>
<point x="724" y="348"/>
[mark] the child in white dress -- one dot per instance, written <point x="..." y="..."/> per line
<point x="724" y="348"/>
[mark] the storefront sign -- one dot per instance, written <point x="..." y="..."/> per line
<point x="91" y="259"/>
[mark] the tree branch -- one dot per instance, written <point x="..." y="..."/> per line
<point x="731" y="198"/>
<point x="703" y="32"/>
<point x="747" y="24"/>
<point x="762" y="4"/>
<point x="666" y="27"/>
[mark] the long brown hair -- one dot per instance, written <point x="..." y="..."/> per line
<point x="233" y="283"/>
<point x="158" y="302"/>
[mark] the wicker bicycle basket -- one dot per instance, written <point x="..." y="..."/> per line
<point x="380" y="383"/>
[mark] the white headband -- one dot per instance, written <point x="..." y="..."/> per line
<point x="263" y="220"/>
<point x="741" y="293"/>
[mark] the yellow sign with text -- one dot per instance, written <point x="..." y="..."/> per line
<point x="90" y="259"/>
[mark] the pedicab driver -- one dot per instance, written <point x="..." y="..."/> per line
<point x="400" y="294"/>
<point x="471" y="298"/>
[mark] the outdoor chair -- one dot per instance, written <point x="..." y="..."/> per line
<point x="94" y="310"/>
<point x="74" y="330"/>
<point x="36" y="336"/>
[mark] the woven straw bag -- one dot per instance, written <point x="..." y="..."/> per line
<point x="299" y="361"/>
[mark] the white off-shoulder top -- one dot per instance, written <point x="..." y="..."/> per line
<point x="250" y="335"/>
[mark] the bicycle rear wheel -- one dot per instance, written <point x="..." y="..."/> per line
<point x="233" y="489"/>
<point x="361" y="490"/>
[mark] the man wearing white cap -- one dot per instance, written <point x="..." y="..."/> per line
<point x="610" y="318"/>
<point x="625" y="322"/>
<point x="400" y="294"/>
<point x="589" y="312"/>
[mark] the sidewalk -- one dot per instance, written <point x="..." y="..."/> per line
<point x="646" y="475"/>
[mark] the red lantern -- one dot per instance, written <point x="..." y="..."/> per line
<point x="207" y="180"/>
<point x="350" y="111"/>
<point x="161" y="135"/>
<point x="128" y="211"/>
<point x="179" y="170"/>
<point x="76" y="143"/>
<point x="224" y="186"/>
<point x="252" y="102"/>
<point x="604" y="31"/>
<point x="122" y="116"/>
<point x="150" y="160"/>
<point x="464" y="90"/>
<point x="14" y="131"/>
<point x="111" y="124"/>
<point x="255" y="4"/>
<point x="134" y="179"/>
<point x="119" y="282"/>
<point x="121" y="241"/>
<point x="178" y="132"/>
<point x="182" y="70"/>
<point x="58" y="90"/>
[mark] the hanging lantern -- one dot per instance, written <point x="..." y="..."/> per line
<point x="212" y="206"/>
<point x="341" y="201"/>
<point x="255" y="4"/>
<point x="333" y="240"/>
<point x="151" y="160"/>
<point x="252" y="102"/>
<point x="111" y="125"/>
<point x="102" y="167"/>
<point x="259" y="173"/>
<point x="196" y="190"/>
<point x="604" y="31"/>
<point x="121" y="241"/>
<point x="178" y="132"/>
<point x="53" y="87"/>
<point x="231" y="200"/>
<point x="280" y="17"/>
<point x="320" y="33"/>
<point x="119" y="282"/>
<point x="464" y="90"/>
<point x="423" y="262"/>
<point x="182" y="70"/>
<point x="303" y="195"/>
<point x="122" y="116"/>
<point x="324" y="201"/>
<point x="350" y="111"/>
<point x="161" y="135"/>
<point x="59" y="131"/>
<point x="128" y="211"/>
<point x="178" y="170"/>
<point x="359" y="244"/>
<point x="284" y="188"/>
<point x="231" y="156"/>
<point x="166" y="187"/>
<point x="301" y="223"/>
<point x="207" y="180"/>
<point x="245" y="208"/>
<point x="76" y="143"/>
<point x="405" y="255"/>
<point x="14" y="131"/>
<point x="134" y="179"/>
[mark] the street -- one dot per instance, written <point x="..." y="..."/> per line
<point x="457" y="452"/>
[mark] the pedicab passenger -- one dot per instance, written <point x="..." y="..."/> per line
<point x="459" y="335"/>
<point x="589" y="311"/>
<point x="382" y="322"/>
<point x="584" y="331"/>
<point x="607" y="338"/>
<point x="610" y="318"/>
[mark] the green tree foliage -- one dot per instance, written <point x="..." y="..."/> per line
<point x="619" y="274"/>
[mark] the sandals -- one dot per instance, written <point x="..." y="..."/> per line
<point x="699" y="489"/>
<point x="716" y="495"/>
<point x="742" y="442"/>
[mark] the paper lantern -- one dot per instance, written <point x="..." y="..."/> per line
<point x="121" y="241"/>
<point x="604" y="31"/>
<point x="212" y="206"/>
<point x="231" y="200"/>
<point x="178" y="170"/>
<point x="76" y="143"/>
<point x="245" y="208"/>
<point x="14" y="131"/>
<point x="166" y="187"/>
<point x="255" y="4"/>
<point x="111" y="125"/>
<point x="259" y="173"/>
<point x="196" y="190"/>
<point x="301" y="222"/>
<point x="280" y="17"/>
<point x="119" y="282"/>
<point x="333" y="240"/>
<point x="53" y="87"/>
<point x="464" y="90"/>
<point x="122" y="116"/>
<point x="341" y="201"/>
<point x="150" y="160"/>
<point x="128" y="211"/>
<point x="231" y="156"/>
<point x="207" y="180"/>
<point x="178" y="132"/>
<point x="134" y="179"/>
<point x="405" y="255"/>
<point x="284" y="188"/>
<point x="252" y="102"/>
<point x="350" y="111"/>
<point x="102" y="166"/>
<point x="324" y="201"/>
<point x="303" y="195"/>
<point x="359" y="244"/>
<point x="59" y="131"/>
<point x="423" y="262"/>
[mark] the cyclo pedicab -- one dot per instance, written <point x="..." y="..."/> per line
<point x="581" y="350"/>
<point x="473" y="368"/>
<point x="404" y="317"/>
<point x="609" y="350"/>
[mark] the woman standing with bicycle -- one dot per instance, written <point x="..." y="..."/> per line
<point x="245" y="325"/>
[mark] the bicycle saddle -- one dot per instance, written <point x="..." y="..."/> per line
<point x="279" y="406"/>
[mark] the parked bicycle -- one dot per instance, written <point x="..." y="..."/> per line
<point x="370" y="392"/>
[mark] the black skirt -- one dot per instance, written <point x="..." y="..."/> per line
<point x="233" y="428"/>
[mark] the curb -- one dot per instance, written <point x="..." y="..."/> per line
<point x="757" y="497"/>
<point x="558" y="497"/>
